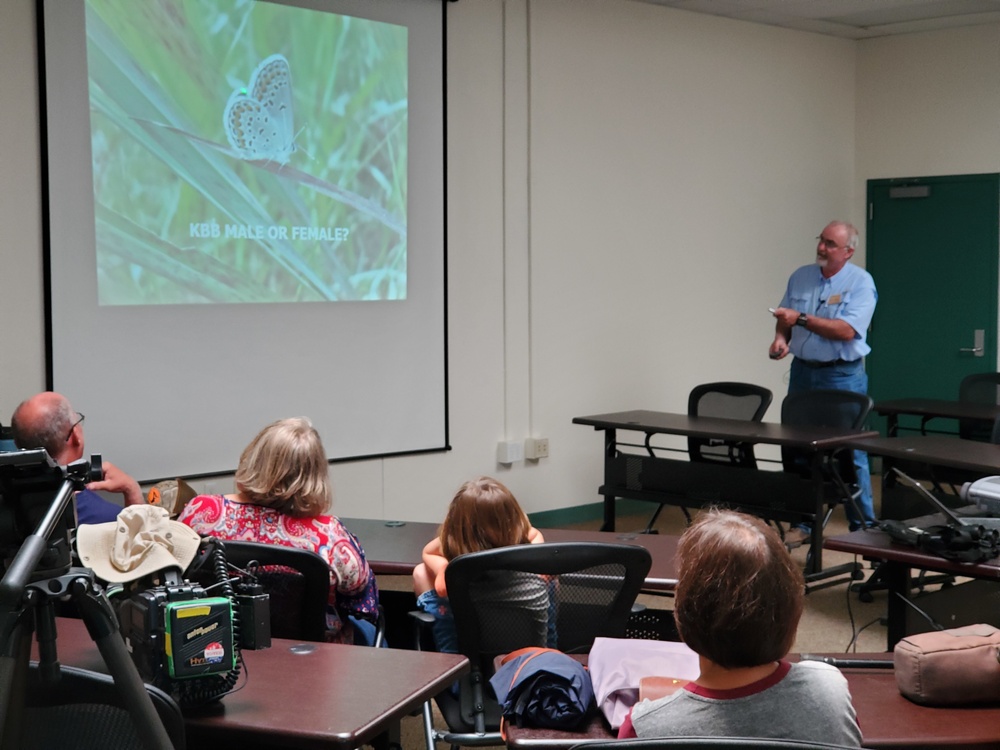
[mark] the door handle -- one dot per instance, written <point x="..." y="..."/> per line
<point x="978" y="344"/>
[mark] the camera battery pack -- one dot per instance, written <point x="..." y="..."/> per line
<point x="199" y="637"/>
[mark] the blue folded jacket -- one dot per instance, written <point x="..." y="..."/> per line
<point x="543" y="687"/>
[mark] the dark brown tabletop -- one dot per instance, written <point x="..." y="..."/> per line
<point x="886" y="718"/>
<point x="624" y="479"/>
<point x="938" y="407"/>
<point x="878" y="545"/>
<point x="394" y="547"/>
<point x="935" y="450"/>
<point x="304" y="695"/>
<point x="771" y="433"/>
<point x="934" y="407"/>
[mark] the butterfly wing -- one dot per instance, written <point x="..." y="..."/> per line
<point x="243" y="120"/>
<point x="271" y="85"/>
<point x="259" y="123"/>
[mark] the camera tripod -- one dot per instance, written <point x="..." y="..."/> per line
<point x="26" y="606"/>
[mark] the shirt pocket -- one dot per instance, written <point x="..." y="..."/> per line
<point x="800" y="303"/>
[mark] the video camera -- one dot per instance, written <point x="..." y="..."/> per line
<point x="30" y="482"/>
<point x="185" y="634"/>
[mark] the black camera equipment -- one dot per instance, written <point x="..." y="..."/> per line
<point x="185" y="634"/>
<point x="961" y="538"/>
<point x="36" y="517"/>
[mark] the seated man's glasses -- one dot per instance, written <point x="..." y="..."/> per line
<point x="79" y="420"/>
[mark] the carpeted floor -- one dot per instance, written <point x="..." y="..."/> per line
<point x="834" y="619"/>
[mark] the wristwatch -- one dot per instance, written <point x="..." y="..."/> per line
<point x="803" y="319"/>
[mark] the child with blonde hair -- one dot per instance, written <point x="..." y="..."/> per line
<point x="482" y="515"/>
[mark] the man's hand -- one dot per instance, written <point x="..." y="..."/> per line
<point x="778" y="348"/>
<point x="117" y="481"/>
<point x="786" y="316"/>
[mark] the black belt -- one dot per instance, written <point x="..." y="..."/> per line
<point x="817" y="365"/>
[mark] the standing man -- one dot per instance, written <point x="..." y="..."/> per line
<point x="822" y="321"/>
<point x="47" y="421"/>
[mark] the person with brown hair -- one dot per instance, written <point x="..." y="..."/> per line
<point x="482" y="515"/>
<point x="283" y="497"/>
<point x="737" y="604"/>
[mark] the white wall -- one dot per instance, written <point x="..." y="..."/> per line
<point x="629" y="187"/>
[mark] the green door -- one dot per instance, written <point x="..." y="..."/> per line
<point x="932" y="249"/>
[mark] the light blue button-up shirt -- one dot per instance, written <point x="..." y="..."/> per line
<point x="848" y="295"/>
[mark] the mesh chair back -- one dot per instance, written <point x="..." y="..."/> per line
<point x="980" y="388"/>
<point x="732" y="401"/>
<point x="703" y="743"/>
<point x="297" y="582"/>
<point x="823" y="408"/>
<point x="84" y="710"/>
<point x="559" y="595"/>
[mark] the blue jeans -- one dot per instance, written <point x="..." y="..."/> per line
<point x="846" y="377"/>
<point x="445" y="635"/>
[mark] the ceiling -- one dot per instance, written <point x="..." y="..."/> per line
<point x="851" y="19"/>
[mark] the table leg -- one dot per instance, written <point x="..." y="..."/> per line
<point x="610" y="452"/>
<point x="891" y="425"/>
<point x="897" y="580"/>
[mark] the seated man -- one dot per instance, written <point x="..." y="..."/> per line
<point x="737" y="605"/>
<point x="47" y="421"/>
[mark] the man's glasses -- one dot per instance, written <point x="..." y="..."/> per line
<point x="79" y="420"/>
<point x="829" y="244"/>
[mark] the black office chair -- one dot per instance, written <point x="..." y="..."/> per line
<point x="83" y="710"/>
<point x="561" y="595"/>
<point x="826" y="408"/>
<point x="980" y="388"/>
<point x="731" y="400"/>
<point x="703" y="743"/>
<point x="298" y="584"/>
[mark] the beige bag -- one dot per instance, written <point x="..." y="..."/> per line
<point x="172" y="494"/>
<point x="950" y="667"/>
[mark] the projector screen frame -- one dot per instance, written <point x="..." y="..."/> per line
<point x="125" y="427"/>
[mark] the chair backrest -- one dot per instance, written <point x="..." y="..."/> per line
<point x="297" y="581"/>
<point x="85" y="710"/>
<point x="823" y="408"/>
<point x="701" y="743"/>
<point x="733" y="401"/>
<point x="980" y="388"/>
<point x="561" y="595"/>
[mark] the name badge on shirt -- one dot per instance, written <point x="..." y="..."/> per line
<point x="833" y="299"/>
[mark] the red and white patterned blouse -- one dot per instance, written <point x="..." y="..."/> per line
<point x="352" y="584"/>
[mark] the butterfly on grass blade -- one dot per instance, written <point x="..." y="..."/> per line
<point x="258" y="120"/>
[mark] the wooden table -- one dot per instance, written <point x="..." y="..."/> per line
<point x="934" y="457"/>
<point x="935" y="450"/>
<point x="303" y="695"/>
<point x="898" y="560"/>
<point x="931" y="408"/>
<point x="394" y="547"/>
<point x="775" y="494"/>
<point x="886" y="718"/>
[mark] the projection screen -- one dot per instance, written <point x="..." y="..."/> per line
<point x="245" y="221"/>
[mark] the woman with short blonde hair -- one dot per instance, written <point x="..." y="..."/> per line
<point x="283" y="497"/>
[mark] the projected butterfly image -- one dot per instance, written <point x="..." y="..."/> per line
<point x="259" y="122"/>
<point x="229" y="167"/>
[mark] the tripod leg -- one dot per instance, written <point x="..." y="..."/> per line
<point x="103" y="628"/>
<point x="13" y="677"/>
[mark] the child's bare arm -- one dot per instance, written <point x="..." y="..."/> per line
<point x="535" y="536"/>
<point x="436" y="562"/>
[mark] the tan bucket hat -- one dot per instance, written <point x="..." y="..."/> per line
<point x="141" y="541"/>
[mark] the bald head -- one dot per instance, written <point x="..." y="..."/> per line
<point x="44" y="421"/>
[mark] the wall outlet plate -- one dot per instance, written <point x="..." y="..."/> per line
<point x="536" y="448"/>
<point x="509" y="451"/>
